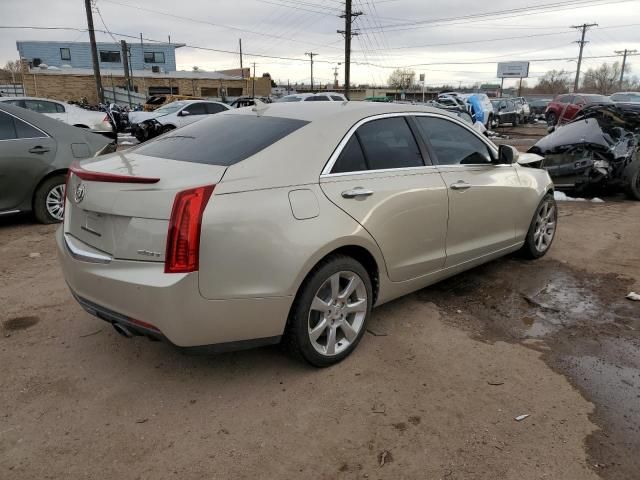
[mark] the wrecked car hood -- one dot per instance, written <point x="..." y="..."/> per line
<point x="579" y="132"/>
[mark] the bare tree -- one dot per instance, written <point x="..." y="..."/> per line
<point x="402" y="78"/>
<point x="554" y="81"/>
<point x="13" y="70"/>
<point x="605" y="79"/>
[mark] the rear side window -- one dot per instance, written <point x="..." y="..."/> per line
<point x="319" y="98"/>
<point x="24" y="130"/>
<point x="41" y="106"/>
<point x="215" y="108"/>
<point x="7" y="127"/>
<point x="389" y="143"/>
<point x="221" y="139"/>
<point x="351" y="158"/>
<point x="337" y="98"/>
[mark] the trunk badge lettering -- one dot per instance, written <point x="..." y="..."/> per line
<point x="149" y="253"/>
<point x="80" y="192"/>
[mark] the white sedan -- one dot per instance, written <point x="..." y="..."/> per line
<point x="65" y="112"/>
<point x="180" y="113"/>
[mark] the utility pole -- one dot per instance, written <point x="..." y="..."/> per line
<point x="241" y="69"/>
<point x="582" y="41"/>
<point x="624" y="54"/>
<point x="125" y="64"/>
<point x="311" y="55"/>
<point x="94" y="51"/>
<point x="253" y="83"/>
<point x="335" y="77"/>
<point x="349" y="16"/>
<point x="144" y="82"/>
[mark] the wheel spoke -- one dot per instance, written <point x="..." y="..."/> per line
<point x="335" y="286"/>
<point x="354" y="282"/>
<point x="350" y="333"/>
<point x="319" y="305"/>
<point x="331" y="341"/>
<point x="317" y="331"/>
<point x="355" y="307"/>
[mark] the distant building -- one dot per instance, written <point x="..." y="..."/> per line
<point x="77" y="55"/>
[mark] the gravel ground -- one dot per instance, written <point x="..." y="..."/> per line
<point x="432" y="392"/>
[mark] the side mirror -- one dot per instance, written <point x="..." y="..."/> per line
<point x="184" y="113"/>
<point x="507" y="155"/>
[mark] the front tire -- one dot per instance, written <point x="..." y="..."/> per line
<point x="329" y="315"/>
<point x="631" y="176"/>
<point x="542" y="229"/>
<point x="48" y="201"/>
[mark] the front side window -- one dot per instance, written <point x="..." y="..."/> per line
<point x="110" y="56"/>
<point x="65" y="54"/>
<point x="215" y="108"/>
<point x="153" y="57"/>
<point x="41" y="106"/>
<point x="337" y="98"/>
<point x="317" y="98"/>
<point x="452" y="143"/>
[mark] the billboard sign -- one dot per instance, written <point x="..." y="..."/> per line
<point x="513" y="69"/>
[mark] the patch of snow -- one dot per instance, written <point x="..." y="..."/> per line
<point x="563" y="197"/>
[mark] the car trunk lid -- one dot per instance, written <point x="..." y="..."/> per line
<point x="121" y="204"/>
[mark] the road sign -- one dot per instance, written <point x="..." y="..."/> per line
<point x="513" y="70"/>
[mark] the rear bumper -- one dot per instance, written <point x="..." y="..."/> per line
<point x="135" y="293"/>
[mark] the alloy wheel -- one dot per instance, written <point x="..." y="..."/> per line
<point x="55" y="202"/>
<point x="545" y="228"/>
<point x="337" y="313"/>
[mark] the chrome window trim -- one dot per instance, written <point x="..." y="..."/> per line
<point x="28" y="123"/>
<point x="326" y="171"/>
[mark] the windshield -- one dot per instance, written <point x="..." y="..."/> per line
<point x="597" y="99"/>
<point x="171" y="108"/>
<point x="626" y="97"/>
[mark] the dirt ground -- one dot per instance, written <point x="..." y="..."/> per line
<point x="432" y="392"/>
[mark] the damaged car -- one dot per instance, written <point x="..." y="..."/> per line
<point x="596" y="151"/>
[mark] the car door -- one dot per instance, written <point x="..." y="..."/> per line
<point x="25" y="156"/>
<point x="381" y="177"/>
<point x="195" y="111"/>
<point x="483" y="196"/>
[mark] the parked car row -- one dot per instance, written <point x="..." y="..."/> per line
<point x="566" y="107"/>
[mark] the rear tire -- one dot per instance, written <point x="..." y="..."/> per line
<point x="330" y="313"/>
<point x="48" y="201"/>
<point x="632" y="178"/>
<point x="542" y="229"/>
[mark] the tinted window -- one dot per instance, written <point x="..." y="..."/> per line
<point x="318" y="98"/>
<point x="24" y="130"/>
<point x="196" y="109"/>
<point x="41" y="106"/>
<point x="351" y="158"/>
<point x="453" y="144"/>
<point x="598" y="99"/>
<point x="215" y="108"/>
<point x="337" y="98"/>
<point x="290" y="99"/>
<point x="221" y="139"/>
<point x="389" y="143"/>
<point x="7" y="127"/>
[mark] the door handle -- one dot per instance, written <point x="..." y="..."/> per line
<point x="460" y="185"/>
<point x="357" y="192"/>
<point x="38" y="149"/>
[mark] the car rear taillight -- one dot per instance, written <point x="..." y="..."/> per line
<point x="183" y="239"/>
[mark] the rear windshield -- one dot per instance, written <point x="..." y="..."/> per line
<point x="221" y="139"/>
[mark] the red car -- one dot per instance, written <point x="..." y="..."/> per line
<point x="565" y="108"/>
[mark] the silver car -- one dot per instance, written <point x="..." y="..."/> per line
<point x="291" y="222"/>
<point x="35" y="155"/>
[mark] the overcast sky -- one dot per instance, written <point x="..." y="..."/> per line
<point x="389" y="34"/>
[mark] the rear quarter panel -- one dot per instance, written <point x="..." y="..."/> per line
<point x="253" y="246"/>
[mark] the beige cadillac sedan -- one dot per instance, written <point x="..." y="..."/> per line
<point x="290" y="222"/>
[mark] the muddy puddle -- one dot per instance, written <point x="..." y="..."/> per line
<point x="584" y="325"/>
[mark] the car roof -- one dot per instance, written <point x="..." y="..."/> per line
<point x="3" y="99"/>
<point x="313" y="111"/>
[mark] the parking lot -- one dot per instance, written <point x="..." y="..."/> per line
<point x="432" y="392"/>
